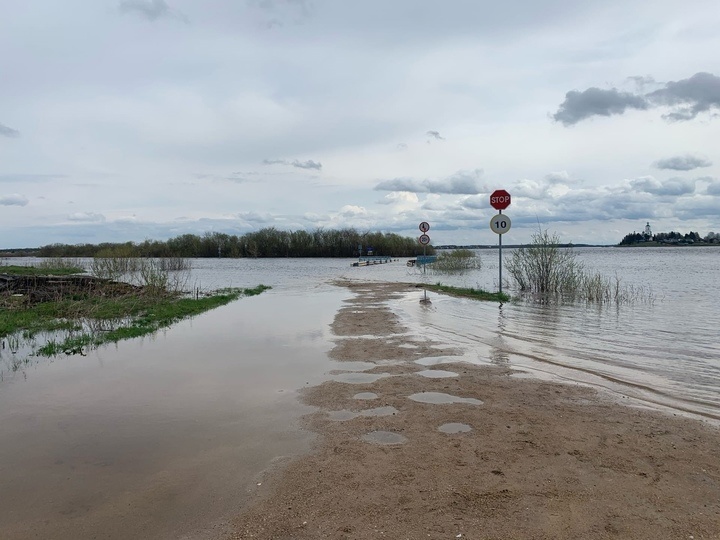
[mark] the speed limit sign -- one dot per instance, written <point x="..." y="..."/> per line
<point x="424" y="239"/>
<point x="500" y="224"/>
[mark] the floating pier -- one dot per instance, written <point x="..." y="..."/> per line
<point x="370" y="261"/>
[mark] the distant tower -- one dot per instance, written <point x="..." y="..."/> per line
<point x="648" y="232"/>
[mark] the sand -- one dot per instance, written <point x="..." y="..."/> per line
<point x="523" y="459"/>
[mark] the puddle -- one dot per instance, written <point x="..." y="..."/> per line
<point x="454" y="427"/>
<point x="438" y="398"/>
<point x="384" y="437"/>
<point x="352" y="366"/>
<point x="365" y="395"/>
<point x="435" y="360"/>
<point x="349" y="415"/>
<point x="343" y="415"/>
<point x="437" y="373"/>
<point x="360" y="378"/>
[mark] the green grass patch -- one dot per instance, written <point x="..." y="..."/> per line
<point x="476" y="294"/>
<point x="126" y="317"/>
<point x="44" y="271"/>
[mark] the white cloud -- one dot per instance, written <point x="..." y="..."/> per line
<point x="91" y="217"/>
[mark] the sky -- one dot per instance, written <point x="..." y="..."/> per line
<point x="126" y="120"/>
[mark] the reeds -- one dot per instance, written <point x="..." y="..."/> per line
<point x="550" y="273"/>
<point x="64" y="264"/>
<point x="156" y="275"/>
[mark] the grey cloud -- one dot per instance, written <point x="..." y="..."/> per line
<point x="596" y="102"/>
<point x="641" y="82"/>
<point x="309" y="164"/>
<point x="435" y="135"/>
<point x="714" y="188"/>
<point x="254" y="217"/>
<point x="682" y="163"/>
<point x="6" y="131"/>
<point x="14" y="199"/>
<point x="236" y="178"/>
<point x="476" y="202"/>
<point x="700" y="93"/>
<point x="688" y="97"/>
<point x="673" y="187"/>
<point x="460" y="183"/>
<point x="151" y="9"/>
<point x="401" y="146"/>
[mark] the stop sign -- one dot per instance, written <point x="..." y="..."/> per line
<point x="500" y="199"/>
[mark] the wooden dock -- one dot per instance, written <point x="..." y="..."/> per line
<point x="371" y="261"/>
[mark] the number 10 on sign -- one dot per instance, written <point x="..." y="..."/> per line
<point x="500" y="224"/>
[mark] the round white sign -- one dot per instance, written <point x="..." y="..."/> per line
<point x="500" y="224"/>
<point x="424" y="239"/>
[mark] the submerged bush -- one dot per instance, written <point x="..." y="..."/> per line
<point x="545" y="269"/>
<point x="542" y="267"/>
<point x="456" y="261"/>
<point x="156" y="275"/>
<point x="61" y="263"/>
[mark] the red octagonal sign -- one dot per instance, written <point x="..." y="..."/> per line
<point x="500" y="199"/>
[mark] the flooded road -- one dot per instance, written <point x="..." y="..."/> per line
<point x="164" y="437"/>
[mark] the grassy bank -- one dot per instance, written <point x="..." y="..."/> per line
<point x="134" y="319"/>
<point x="91" y="312"/>
<point x="40" y="271"/>
<point x="476" y="294"/>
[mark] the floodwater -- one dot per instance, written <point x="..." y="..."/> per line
<point x="165" y="437"/>
<point x="161" y="437"/>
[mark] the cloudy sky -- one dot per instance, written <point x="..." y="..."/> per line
<point x="132" y="119"/>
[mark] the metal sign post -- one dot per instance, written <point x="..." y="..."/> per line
<point x="500" y="224"/>
<point x="424" y="240"/>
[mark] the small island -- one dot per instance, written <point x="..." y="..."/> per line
<point x="672" y="238"/>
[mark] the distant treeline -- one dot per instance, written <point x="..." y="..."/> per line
<point x="670" y="238"/>
<point x="268" y="242"/>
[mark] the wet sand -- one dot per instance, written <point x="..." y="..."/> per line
<point x="514" y="458"/>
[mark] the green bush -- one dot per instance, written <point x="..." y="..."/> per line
<point x="545" y="269"/>
<point x="456" y="261"/>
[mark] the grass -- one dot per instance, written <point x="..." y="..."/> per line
<point x="146" y="320"/>
<point x="41" y="270"/>
<point x="476" y="294"/>
<point x="129" y="316"/>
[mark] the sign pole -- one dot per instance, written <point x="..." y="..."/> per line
<point x="424" y="240"/>
<point x="500" y="224"/>
<point x="500" y="256"/>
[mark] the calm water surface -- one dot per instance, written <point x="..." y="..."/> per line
<point x="162" y="437"/>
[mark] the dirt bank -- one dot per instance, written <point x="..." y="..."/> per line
<point x="540" y="460"/>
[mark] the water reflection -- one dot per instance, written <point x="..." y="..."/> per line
<point x="498" y="351"/>
<point x="384" y="437"/>
<point x="440" y="398"/>
<point x="455" y="427"/>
